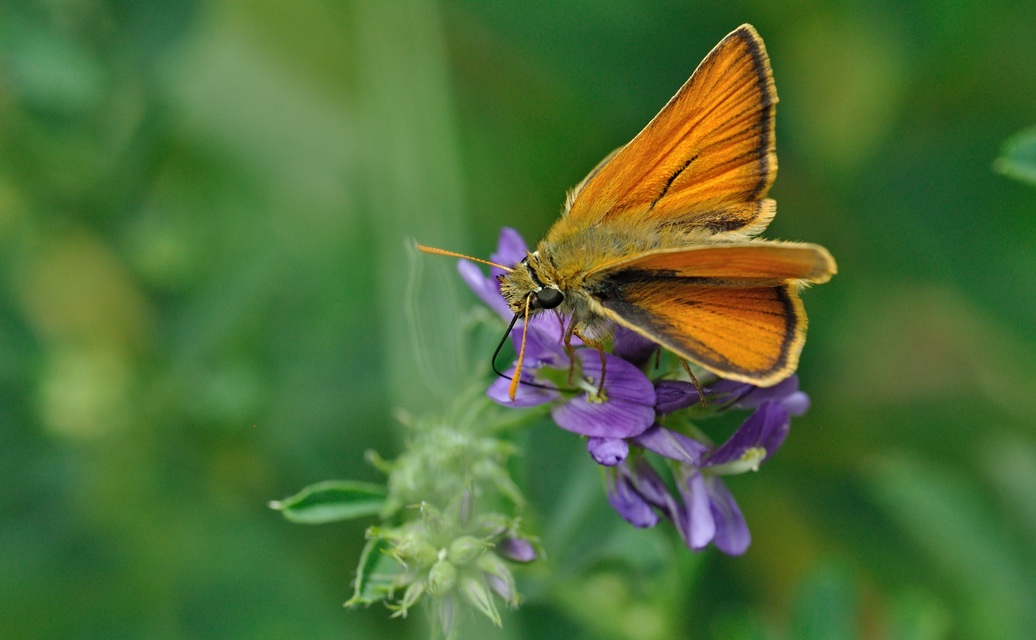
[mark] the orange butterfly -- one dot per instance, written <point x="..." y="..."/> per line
<point x="660" y="237"/>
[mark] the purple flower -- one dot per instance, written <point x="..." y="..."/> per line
<point x="703" y="509"/>
<point x="630" y="345"/>
<point x="624" y="408"/>
<point x="510" y="249"/>
<point x="516" y="549"/>
<point x="622" y="419"/>
<point x="747" y="396"/>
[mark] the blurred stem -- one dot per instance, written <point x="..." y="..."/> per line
<point x="412" y="191"/>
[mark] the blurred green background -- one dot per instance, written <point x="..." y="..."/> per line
<point x="207" y="303"/>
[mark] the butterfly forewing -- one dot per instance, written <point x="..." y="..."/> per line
<point x="745" y="263"/>
<point x="707" y="158"/>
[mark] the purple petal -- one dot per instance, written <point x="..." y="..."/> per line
<point x="732" y="535"/>
<point x="631" y="346"/>
<point x="671" y="444"/>
<point x="696" y="524"/>
<point x="797" y="404"/>
<point x="516" y="550"/>
<point x="629" y="503"/>
<point x="622" y="380"/>
<point x="542" y="342"/>
<point x="510" y="248"/>
<point x="608" y="452"/>
<point x="725" y="391"/>
<point x="525" y="395"/>
<point x="673" y="395"/>
<point x="765" y="428"/>
<point x="758" y="395"/>
<point x="649" y="484"/>
<point x="487" y="289"/>
<point x="629" y="406"/>
<point x="611" y="419"/>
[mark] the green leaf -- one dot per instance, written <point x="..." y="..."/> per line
<point x="1018" y="156"/>
<point x="376" y="575"/>
<point x="331" y="501"/>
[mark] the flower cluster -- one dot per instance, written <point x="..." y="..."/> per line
<point x="634" y="414"/>
<point x="457" y="557"/>
<point x="449" y="534"/>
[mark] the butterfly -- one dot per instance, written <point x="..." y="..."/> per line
<point x="660" y="237"/>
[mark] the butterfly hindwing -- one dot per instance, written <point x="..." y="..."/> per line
<point x="749" y="334"/>
<point x="732" y="308"/>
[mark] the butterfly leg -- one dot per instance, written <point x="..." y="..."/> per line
<point x="697" y="385"/>
<point x="570" y="350"/>
<point x="600" y="351"/>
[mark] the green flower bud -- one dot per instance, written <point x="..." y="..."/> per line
<point x="478" y="594"/>
<point x="466" y="549"/>
<point x="414" y="551"/>
<point x="441" y="578"/>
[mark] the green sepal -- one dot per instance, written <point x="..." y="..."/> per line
<point x="377" y="576"/>
<point x="331" y="501"/>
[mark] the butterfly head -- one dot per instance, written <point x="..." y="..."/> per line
<point x="526" y="282"/>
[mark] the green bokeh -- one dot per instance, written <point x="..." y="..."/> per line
<point x="207" y="302"/>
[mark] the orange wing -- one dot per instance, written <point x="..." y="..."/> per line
<point x="749" y="334"/>
<point x="748" y="263"/>
<point x="732" y="308"/>
<point x="707" y="159"/>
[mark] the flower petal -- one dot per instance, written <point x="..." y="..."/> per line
<point x="673" y="395"/>
<point x="487" y="289"/>
<point x="516" y="549"/>
<point x="725" y="391"/>
<point x="608" y="452"/>
<point x="749" y="396"/>
<point x="732" y="535"/>
<point x="631" y="346"/>
<point x="696" y="525"/>
<point x="622" y="380"/>
<point x="797" y="404"/>
<point x="510" y="248"/>
<point x="525" y="395"/>
<point x="671" y="444"/>
<point x="611" y="419"/>
<point x="649" y="484"/>
<point x="629" y="503"/>
<point x="628" y="405"/>
<point x="542" y="342"/>
<point x="765" y="428"/>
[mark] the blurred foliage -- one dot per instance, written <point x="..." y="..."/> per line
<point x="1018" y="156"/>
<point x="204" y="304"/>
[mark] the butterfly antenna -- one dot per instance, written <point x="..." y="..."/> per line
<point x="454" y="254"/>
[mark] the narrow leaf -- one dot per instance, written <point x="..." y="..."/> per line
<point x="376" y="574"/>
<point x="331" y="501"/>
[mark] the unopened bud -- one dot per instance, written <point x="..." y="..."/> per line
<point x="466" y="549"/>
<point x="441" y="578"/>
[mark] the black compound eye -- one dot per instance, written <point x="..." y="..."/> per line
<point x="548" y="298"/>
